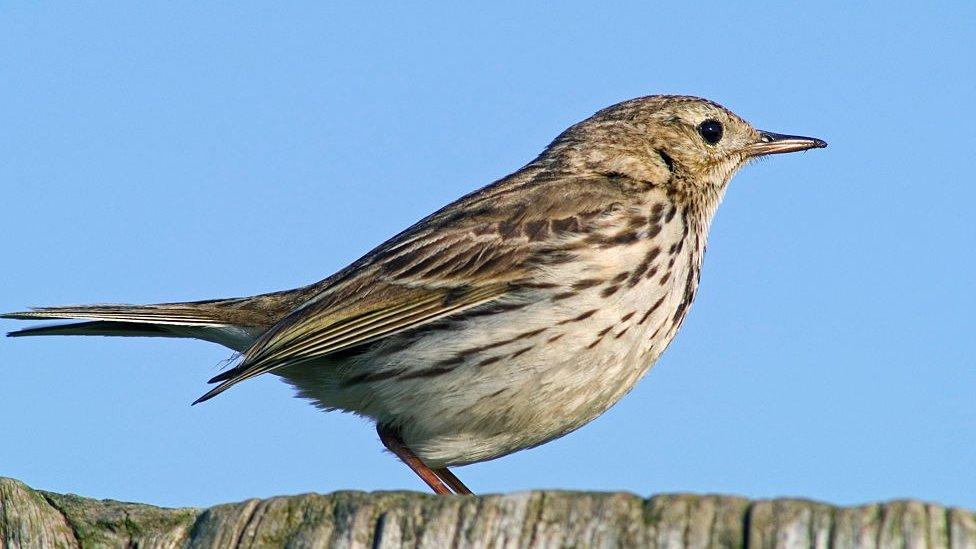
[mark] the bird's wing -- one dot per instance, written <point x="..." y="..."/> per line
<point x="376" y="304"/>
<point x="473" y="252"/>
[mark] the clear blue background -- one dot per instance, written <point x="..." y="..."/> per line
<point x="185" y="152"/>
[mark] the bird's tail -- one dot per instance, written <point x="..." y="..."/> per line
<point x="229" y="322"/>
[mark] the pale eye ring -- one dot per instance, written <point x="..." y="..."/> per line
<point x="711" y="131"/>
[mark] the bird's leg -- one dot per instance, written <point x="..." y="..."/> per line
<point x="455" y="483"/>
<point x="395" y="444"/>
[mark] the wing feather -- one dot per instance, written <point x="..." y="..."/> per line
<point x="472" y="252"/>
<point x="312" y="340"/>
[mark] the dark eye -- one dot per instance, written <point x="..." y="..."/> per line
<point x="711" y="131"/>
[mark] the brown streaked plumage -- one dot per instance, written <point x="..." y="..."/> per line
<point x="483" y="328"/>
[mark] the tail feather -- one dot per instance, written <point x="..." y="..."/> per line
<point x="233" y="323"/>
<point x="237" y="338"/>
<point x="96" y="328"/>
<point x="176" y="313"/>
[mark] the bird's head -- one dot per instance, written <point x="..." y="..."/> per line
<point x="687" y="143"/>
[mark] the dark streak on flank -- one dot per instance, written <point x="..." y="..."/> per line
<point x="599" y="337"/>
<point x="644" y="264"/>
<point x="619" y="278"/>
<point x="485" y="347"/>
<point x="622" y="332"/>
<point x="627" y="316"/>
<point x="562" y="295"/>
<point x="374" y="376"/>
<point x="679" y="311"/>
<point x="521" y="351"/>
<point x="609" y="290"/>
<point x="581" y="316"/>
<point x="453" y="361"/>
<point x="489" y="346"/>
<point x="651" y="310"/>
<point x="489" y="360"/>
<point x="586" y="283"/>
<point x="530" y="333"/>
<point x="429" y="372"/>
<point x="664" y="279"/>
<point x="554" y="338"/>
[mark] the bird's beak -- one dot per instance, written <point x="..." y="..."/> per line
<point x="774" y="143"/>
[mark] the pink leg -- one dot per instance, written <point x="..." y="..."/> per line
<point x="394" y="444"/>
<point x="455" y="483"/>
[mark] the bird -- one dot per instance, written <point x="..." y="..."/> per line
<point x="506" y="319"/>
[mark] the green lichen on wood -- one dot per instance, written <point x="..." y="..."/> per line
<point x="108" y="523"/>
<point x="31" y="518"/>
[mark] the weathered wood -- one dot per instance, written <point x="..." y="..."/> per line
<point x="32" y="518"/>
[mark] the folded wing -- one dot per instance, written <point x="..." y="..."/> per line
<point x="476" y="251"/>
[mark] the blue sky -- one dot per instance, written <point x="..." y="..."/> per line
<point x="182" y="151"/>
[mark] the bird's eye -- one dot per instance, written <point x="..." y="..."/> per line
<point x="711" y="131"/>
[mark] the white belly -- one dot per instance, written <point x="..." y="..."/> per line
<point x="521" y="377"/>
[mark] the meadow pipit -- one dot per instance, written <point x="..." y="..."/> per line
<point x="506" y="319"/>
